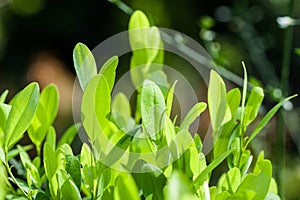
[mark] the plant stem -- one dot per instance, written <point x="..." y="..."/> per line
<point x="14" y="179"/>
<point x="285" y="72"/>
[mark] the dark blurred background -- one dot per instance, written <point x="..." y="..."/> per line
<point x="37" y="38"/>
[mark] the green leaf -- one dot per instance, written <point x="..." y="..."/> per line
<point x="69" y="191"/>
<point x="2" y="155"/>
<point x="95" y="107"/>
<point x="216" y="100"/>
<point x="146" y="45"/>
<point x="3" y="96"/>
<point x="84" y="63"/>
<point x="138" y="20"/>
<point x="42" y="196"/>
<point x="88" y="172"/>
<point x="16" y="151"/>
<point x="4" y="112"/>
<point x="273" y="187"/>
<point x="108" y="70"/>
<point x="126" y="187"/>
<point x="153" y="109"/>
<point x="178" y="188"/>
<point x="198" y="143"/>
<point x="50" y="162"/>
<point x="169" y="132"/>
<point x="151" y="181"/>
<point x="204" y="174"/>
<point x="44" y="115"/>
<point x="233" y="98"/>
<point x="253" y="104"/>
<point x="230" y="181"/>
<point x="272" y="196"/>
<point x="259" y="159"/>
<point x="69" y="135"/>
<point x="192" y="163"/>
<point x="223" y="196"/>
<point x="258" y="183"/>
<point x="266" y="119"/>
<point x="3" y="182"/>
<point x="73" y="168"/>
<point x="122" y="144"/>
<point x="51" y="137"/>
<point x="32" y="173"/>
<point x="169" y="100"/>
<point x="191" y="116"/>
<point x="21" y="114"/>
<point x="121" y="112"/>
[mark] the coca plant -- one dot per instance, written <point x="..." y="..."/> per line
<point x="107" y="166"/>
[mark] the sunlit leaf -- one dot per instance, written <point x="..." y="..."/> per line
<point x="216" y="100"/>
<point x="3" y="96"/>
<point x="153" y="109"/>
<point x="178" y="188"/>
<point x="258" y="183"/>
<point x="126" y="188"/>
<point x="84" y="63"/>
<point x="108" y="70"/>
<point x="73" y="168"/>
<point x="44" y="115"/>
<point x="253" y="104"/>
<point x="267" y="118"/>
<point x="21" y="114"/>
<point x="191" y="116"/>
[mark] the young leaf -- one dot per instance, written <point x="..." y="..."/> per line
<point x="230" y="181"/>
<point x="258" y="183"/>
<point x="169" y="101"/>
<point x="49" y="161"/>
<point x="121" y="112"/>
<point x="21" y="114"/>
<point x="42" y="196"/>
<point x="151" y="181"/>
<point x="138" y="22"/>
<point x="178" y="188"/>
<point x="4" y="112"/>
<point x="216" y="100"/>
<point x="44" y="115"/>
<point x="253" y="104"/>
<point x="94" y="114"/>
<point x="3" y="182"/>
<point x="147" y="55"/>
<point x="266" y="119"/>
<point x="108" y="70"/>
<point x="68" y="190"/>
<point x="3" y="96"/>
<point x="84" y="63"/>
<point x="16" y="151"/>
<point x="2" y="155"/>
<point x="153" y="109"/>
<point x="126" y="187"/>
<point x="233" y="98"/>
<point x="191" y="116"/>
<point x="73" y="168"/>
<point x="51" y="137"/>
<point x="204" y="174"/>
<point x="88" y="170"/>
